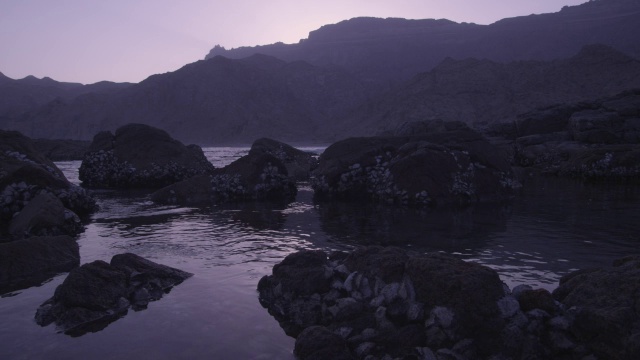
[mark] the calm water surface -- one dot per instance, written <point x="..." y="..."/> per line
<point x="553" y="227"/>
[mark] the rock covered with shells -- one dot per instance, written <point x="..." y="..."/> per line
<point x="26" y="175"/>
<point x="299" y="164"/>
<point x="140" y="156"/>
<point x="451" y="165"/>
<point x="254" y="177"/>
<point x="386" y="303"/>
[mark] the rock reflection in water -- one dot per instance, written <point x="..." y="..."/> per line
<point x="446" y="229"/>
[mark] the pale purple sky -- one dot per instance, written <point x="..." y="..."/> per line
<point x="128" y="40"/>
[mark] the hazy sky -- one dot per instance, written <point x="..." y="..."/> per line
<point x="128" y="40"/>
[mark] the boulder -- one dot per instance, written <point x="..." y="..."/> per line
<point x="254" y="177"/>
<point x="28" y="262"/>
<point x="385" y="300"/>
<point x="606" y="302"/>
<point x="299" y="164"/>
<point x="25" y="173"/>
<point x="140" y="156"/>
<point x="319" y="343"/>
<point x="450" y="165"/>
<point x="44" y="215"/>
<point x="98" y="293"/>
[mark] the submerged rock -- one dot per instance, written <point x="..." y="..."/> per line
<point x="451" y="165"/>
<point x="28" y="262"/>
<point x="140" y="156"/>
<point x="98" y="293"/>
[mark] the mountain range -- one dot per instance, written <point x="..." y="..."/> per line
<point x="358" y="77"/>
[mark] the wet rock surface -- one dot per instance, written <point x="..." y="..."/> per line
<point x="255" y="177"/>
<point x="140" y="156"/>
<point x="388" y="303"/>
<point x="28" y="262"/>
<point x="27" y="176"/>
<point x="443" y="165"/>
<point x="98" y="293"/>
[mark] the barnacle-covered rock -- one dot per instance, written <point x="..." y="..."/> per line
<point x="140" y="156"/>
<point x="450" y="165"/>
<point x="25" y="174"/>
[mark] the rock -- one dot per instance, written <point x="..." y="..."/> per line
<point x="606" y="304"/>
<point x="28" y="262"/>
<point x="299" y="164"/>
<point x="44" y="215"/>
<point x="318" y="343"/>
<point x="254" y="177"/>
<point x="451" y="166"/>
<point x="24" y="175"/>
<point x="537" y="299"/>
<point x="140" y="156"/>
<point x="97" y="293"/>
<point x="594" y="140"/>
<point x="403" y="287"/>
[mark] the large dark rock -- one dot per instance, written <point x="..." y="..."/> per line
<point x="385" y="300"/>
<point x="255" y="177"/>
<point x="24" y="174"/>
<point x="593" y="140"/>
<point x="607" y="302"/>
<point x="299" y="164"/>
<point x="97" y="293"/>
<point x="28" y="262"/>
<point x="451" y="165"/>
<point x="140" y="156"/>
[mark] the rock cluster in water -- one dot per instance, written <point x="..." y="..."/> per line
<point x="385" y="303"/>
<point x="98" y="293"/>
<point x="449" y="164"/>
<point x="140" y="156"/>
<point x="258" y="176"/>
<point x="299" y="164"/>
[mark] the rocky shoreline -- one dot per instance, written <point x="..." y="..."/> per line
<point x="387" y="303"/>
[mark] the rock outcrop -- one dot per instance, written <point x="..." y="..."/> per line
<point x="140" y="156"/>
<point x="386" y="303"/>
<point x="451" y="165"/>
<point x="98" y="293"/>
<point x="257" y="176"/>
<point x="35" y="197"/>
<point x="299" y="164"/>
<point x="28" y="262"/>
<point x="593" y="140"/>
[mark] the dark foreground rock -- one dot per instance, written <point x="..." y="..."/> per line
<point x="254" y="177"/>
<point x="28" y="262"/>
<point x="140" y="156"/>
<point x="26" y="176"/>
<point x="97" y="293"/>
<point x="607" y="303"/>
<point x="450" y="164"/>
<point x="386" y="303"/>
<point x="299" y="164"/>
